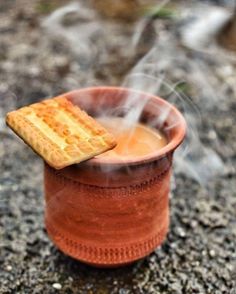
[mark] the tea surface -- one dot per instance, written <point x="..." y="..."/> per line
<point x="135" y="141"/>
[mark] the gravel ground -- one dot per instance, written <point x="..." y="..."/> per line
<point x="199" y="255"/>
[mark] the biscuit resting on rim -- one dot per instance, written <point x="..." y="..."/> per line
<point x="60" y="132"/>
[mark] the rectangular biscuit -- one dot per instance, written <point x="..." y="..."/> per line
<point x="60" y="132"/>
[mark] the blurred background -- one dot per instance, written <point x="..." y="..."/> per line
<point x="187" y="52"/>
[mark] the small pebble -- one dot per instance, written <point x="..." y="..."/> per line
<point x="212" y="135"/>
<point x="212" y="253"/>
<point x="8" y="268"/>
<point x="180" y="232"/>
<point x="194" y="224"/>
<point x="57" y="286"/>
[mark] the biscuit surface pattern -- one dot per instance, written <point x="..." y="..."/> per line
<point x="60" y="132"/>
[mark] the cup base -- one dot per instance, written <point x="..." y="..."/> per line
<point x="106" y="257"/>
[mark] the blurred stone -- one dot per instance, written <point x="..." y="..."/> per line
<point x="227" y="36"/>
<point x="180" y="232"/>
<point x="9" y="268"/>
<point x="204" y="25"/>
<point x="74" y="17"/>
<point x="62" y="66"/>
<point x="119" y="9"/>
<point x="57" y="286"/>
<point x="212" y="253"/>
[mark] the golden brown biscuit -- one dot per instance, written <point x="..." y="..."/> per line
<point x="60" y="132"/>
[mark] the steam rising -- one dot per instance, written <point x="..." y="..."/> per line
<point x="193" y="158"/>
<point x="154" y="74"/>
<point x="76" y="24"/>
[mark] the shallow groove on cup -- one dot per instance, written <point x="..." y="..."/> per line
<point x="124" y="190"/>
<point x="106" y="255"/>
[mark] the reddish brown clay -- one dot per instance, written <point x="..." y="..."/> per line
<point x="109" y="213"/>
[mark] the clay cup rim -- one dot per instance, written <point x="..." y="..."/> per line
<point x="174" y="142"/>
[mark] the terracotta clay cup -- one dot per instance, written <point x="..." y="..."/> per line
<point x="106" y="212"/>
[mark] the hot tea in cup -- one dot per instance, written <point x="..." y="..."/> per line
<point x="132" y="141"/>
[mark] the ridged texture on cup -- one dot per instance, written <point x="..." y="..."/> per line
<point x="103" y="225"/>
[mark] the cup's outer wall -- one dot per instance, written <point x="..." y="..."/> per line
<point x="107" y="226"/>
<point x="106" y="214"/>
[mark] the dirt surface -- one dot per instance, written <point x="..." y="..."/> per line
<point x="199" y="255"/>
